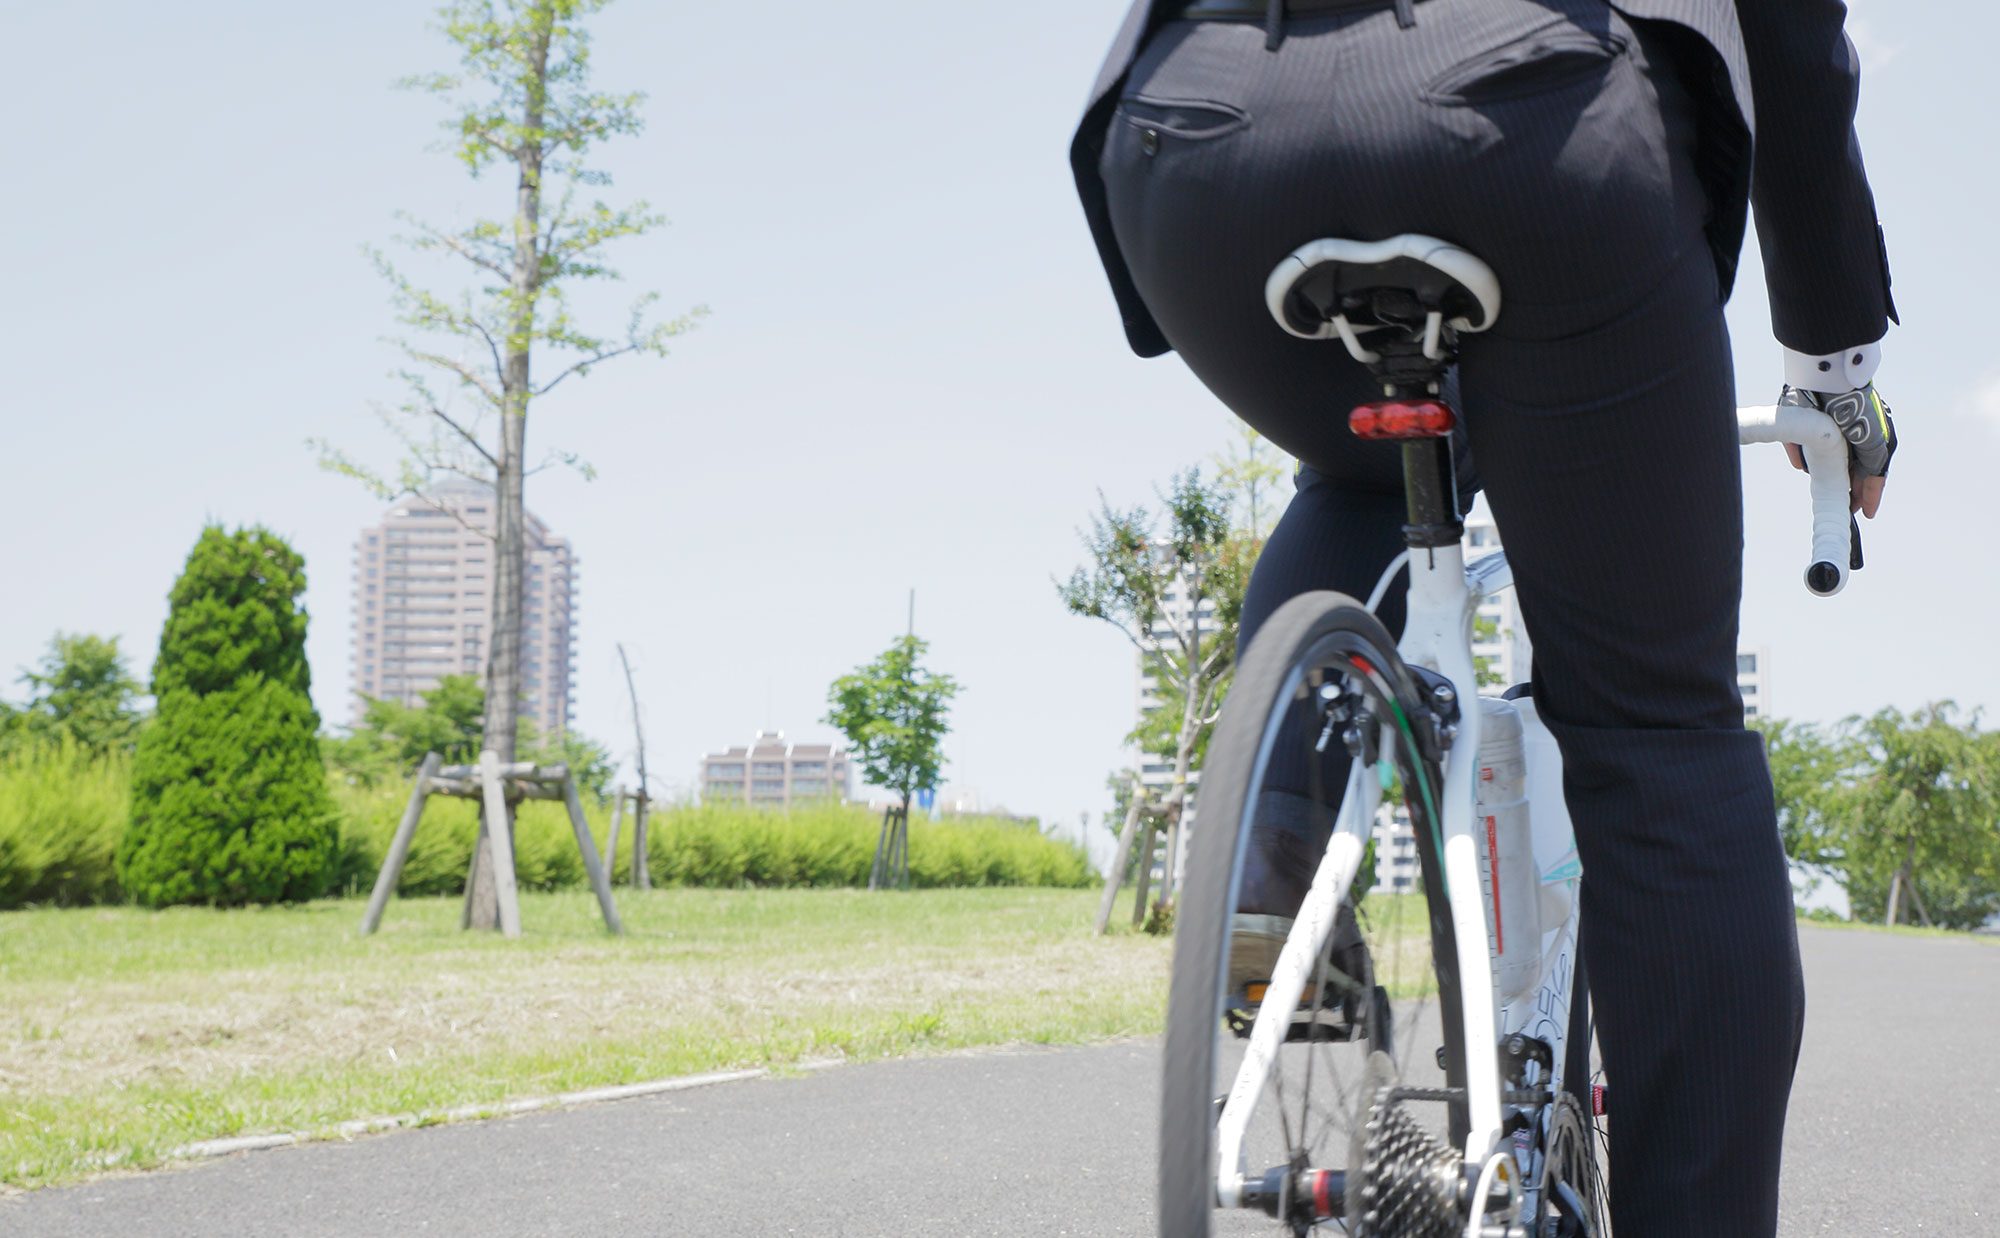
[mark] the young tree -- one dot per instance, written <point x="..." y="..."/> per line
<point x="1250" y="471"/>
<point x="1919" y="828"/>
<point x="393" y="738"/>
<point x="82" y="692"/>
<point x="1812" y="776"/>
<point x="229" y="802"/>
<point x="520" y="100"/>
<point x="893" y="713"/>
<point x="1178" y="597"/>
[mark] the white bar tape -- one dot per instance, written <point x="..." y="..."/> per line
<point x="1826" y="456"/>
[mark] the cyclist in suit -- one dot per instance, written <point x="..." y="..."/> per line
<point x="1601" y="159"/>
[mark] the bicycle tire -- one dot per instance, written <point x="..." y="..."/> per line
<point x="1267" y="683"/>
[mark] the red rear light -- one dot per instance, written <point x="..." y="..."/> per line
<point x="1402" y="419"/>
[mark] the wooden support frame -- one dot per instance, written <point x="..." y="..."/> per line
<point x="1126" y="836"/>
<point x="496" y="787"/>
<point x="891" y="869"/>
<point x="640" y="874"/>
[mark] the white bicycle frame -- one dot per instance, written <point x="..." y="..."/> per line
<point x="1444" y="596"/>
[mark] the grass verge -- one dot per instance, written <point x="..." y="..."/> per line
<point x="126" y="1033"/>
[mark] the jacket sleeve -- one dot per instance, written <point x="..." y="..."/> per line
<point x="1825" y="260"/>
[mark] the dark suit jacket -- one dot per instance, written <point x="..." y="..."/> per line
<point x="1783" y="68"/>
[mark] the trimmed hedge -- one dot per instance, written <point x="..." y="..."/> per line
<point x="62" y="810"/>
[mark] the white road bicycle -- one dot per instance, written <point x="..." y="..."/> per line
<point x="1374" y="1081"/>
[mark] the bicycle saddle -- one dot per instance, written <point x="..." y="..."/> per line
<point x="1333" y="288"/>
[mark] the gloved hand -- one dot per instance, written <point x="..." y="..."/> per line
<point x="1863" y="417"/>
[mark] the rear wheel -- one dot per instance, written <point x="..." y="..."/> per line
<point x="1336" y="1137"/>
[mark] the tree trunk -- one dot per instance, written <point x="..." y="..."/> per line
<point x="1917" y="899"/>
<point x="503" y="659"/>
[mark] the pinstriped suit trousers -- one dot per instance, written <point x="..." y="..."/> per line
<point x="1555" y="141"/>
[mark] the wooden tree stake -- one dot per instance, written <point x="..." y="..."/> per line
<point x="1117" y="873"/>
<point x="496" y="785"/>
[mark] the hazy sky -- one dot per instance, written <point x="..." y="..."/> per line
<point x="912" y="377"/>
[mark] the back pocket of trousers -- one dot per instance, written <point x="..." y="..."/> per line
<point x="1191" y="120"/>
<point x="1535" y="64"/>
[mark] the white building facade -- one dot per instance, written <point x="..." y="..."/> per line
<point x="773" y="772"/>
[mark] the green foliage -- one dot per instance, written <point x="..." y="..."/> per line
<point x="62" y="809"/>
<point x="1903" y="808"/>
<point x="521" y="97"/>
<point x="1484" y="630"/>
<point x="1810" y="776"/>
<point x="834" y="844"/>
<point x="229" y="802"/>
<point x="1250" y="472"/>
<point x="892" y="712"/>
<point x="727" y="846"/>
<point x="81" y="693"/>
<point x="1178" y="597"/>
<point x="61" y="812"/>
<point x="1922" y="822"/>
<point x="392" y="739"/>
<point x="545" y="856"/>
<point x="589" y="762"/>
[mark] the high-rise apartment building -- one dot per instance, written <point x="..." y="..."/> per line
<point x="775" y="773"/>
<point x="423" y="604"/>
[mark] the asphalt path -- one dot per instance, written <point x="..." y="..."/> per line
<point x="1894" y="1129"/>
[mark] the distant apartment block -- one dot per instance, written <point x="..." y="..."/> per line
<point x="423" y="604"/>
<point x="772" y="772"/>
<point x="1753" y="680"/>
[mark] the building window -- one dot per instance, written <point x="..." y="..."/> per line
<point x="1746" y="664"/>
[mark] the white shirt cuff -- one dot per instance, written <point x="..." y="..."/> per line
<point x="1831" y="373"/>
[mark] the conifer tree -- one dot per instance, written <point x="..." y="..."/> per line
<point x="229" y="799"/>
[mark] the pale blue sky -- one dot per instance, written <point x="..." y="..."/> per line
<point x="913" y="374"/>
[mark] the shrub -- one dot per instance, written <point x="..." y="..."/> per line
<point x="229" y="800"/>
<point x="62" y="809"/>
<point x="834" y="844"/>
<point x="545" y="856"/>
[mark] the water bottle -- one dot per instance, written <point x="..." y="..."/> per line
<point x="1509" y="881"/>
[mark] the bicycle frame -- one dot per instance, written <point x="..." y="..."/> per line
<point x="1444" y="595"/>
<point x="1443" y="599"/>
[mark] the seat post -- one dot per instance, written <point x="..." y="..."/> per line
<point x="1430" y="485"/>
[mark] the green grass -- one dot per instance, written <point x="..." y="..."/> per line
<point x="126" y="1033"/>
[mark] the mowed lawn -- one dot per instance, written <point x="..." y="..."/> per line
<point x="126" y="1033"/>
